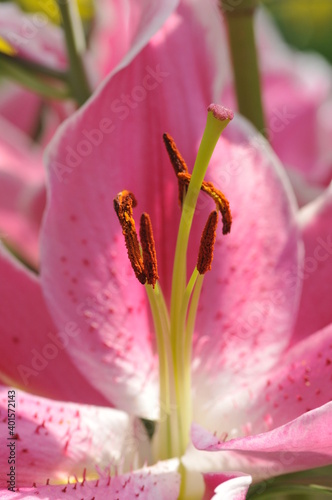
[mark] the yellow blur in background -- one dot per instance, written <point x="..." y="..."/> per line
<point x="306" y="24"/>
<point x="50" y="8"/>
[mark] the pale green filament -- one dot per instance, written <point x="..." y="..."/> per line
<point x="161" y="324"/>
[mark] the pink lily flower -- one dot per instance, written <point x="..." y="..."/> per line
<point x="252" y="363"/>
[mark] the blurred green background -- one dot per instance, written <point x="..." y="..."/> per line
<point x="306" y="24"/>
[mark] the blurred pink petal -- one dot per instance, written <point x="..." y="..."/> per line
<point x="315" y="306"/>
<point x="229" y="486"/>
<point x="22" y="191"/>
<point x="14" y="98"/>
<point x="33" y="36"/>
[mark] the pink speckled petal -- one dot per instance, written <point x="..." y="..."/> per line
<point x="122" y="28"/>
<point x="247" y="307"/>
<point x="33" y="36"/>
<point x="100" y="151"/>
<point x="32" y="350"/>
<point x="303" y="443"/>
<point x="300" y="383"/>
<point x="315" y="307"/>
<point x="159" y="482"/>
<point x="229" y="486"/>
<point x="56" y="440"/>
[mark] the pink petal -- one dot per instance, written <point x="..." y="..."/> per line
<point x="56" y="440"/>
<point x="229" y="486"/>
<point x="247" y="308"/>
<point x="305" y="191"/>
<point x="33" y="36"/>
<point x="100" y="151"/>
<point x="123" y="28"/>
<point x="296" y="85"/>
<point x="301" y="383"/>
<point x="32" y="350"/>
<point x="315" y="307"/>
<point x="22" y="193"/>
<point x="303" y="443"/>
<point x="13" y="98"/>
<point x="159" y="482"/>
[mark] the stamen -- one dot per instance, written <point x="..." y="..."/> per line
<point x="123" y="205"/>
<point x="148" y="250"/>
<point x="205" y="254"/>
<point x="178" y="164"/>
<point x="222" y="204"/>
<point x="177" y="161"/>
<point x="219" y="198"/>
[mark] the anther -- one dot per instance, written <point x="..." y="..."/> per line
<point x="148" y="250"/>
<point x="205" y="254"/>
<point x="218" y="197"/>
<point x="177" y="162"/>
<point x="222" y="204"/>
<point x="123" y="205"/>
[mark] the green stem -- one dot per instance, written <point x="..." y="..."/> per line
<point x="28" y="80"/>
<point x="75" y="47"/>
<point x="35" y="68"/>
<point x="240" y="22"/>
<point x="274" y="492"/>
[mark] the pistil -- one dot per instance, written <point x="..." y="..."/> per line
<point x="217" y="119"/>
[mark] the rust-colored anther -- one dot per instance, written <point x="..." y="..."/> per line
<point x="205" y="254"/>
<point x="222" y="204"/>
<point x="219" y="198"/>
<point x="123" y="205"/>
<point x="177" y="162"/>
<point x="148" y="250"/>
